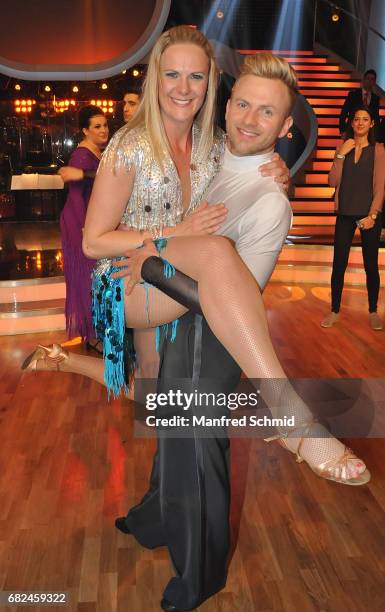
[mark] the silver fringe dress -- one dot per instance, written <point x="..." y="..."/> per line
<point x="155" y="202"/>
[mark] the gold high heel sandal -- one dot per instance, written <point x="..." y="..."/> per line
<point x="55" y="354"/>
<point x="326" y="470"/>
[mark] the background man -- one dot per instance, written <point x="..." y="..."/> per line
<point x="365" y="95"/>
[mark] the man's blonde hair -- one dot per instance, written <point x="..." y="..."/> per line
<point x="268" y="66"/>
<point x="148" y="113"/>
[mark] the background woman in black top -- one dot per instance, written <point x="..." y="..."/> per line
<point x="358" y="173"/>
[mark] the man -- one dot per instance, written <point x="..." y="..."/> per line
<point x="358" y="97"/>
<point x="187" y="505"/>
<point x="131" y="101"/>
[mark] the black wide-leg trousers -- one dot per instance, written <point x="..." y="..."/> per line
<point x="187" y="505"/>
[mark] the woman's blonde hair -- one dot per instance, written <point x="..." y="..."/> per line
<point x="266" y="65"/>
<point x="148" y="113"/>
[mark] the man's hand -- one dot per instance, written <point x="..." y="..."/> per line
<point x="132" y="265"/>
<point x="206" y="219"/>
<point x="278" y="170"/>
<point x="70" y="173"/>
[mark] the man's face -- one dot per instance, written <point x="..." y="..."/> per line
<point x="368" y="82"/>
<point x="257" y="115"/>
<point x="130" y="106"/>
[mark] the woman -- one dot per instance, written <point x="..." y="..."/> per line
<point x="78" y="268"/>
<point x="167" y="165"/>
<point x="358" y="173"/>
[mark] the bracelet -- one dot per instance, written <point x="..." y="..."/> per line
<point x="339" y="156"/>
<point x="156" y="233"/>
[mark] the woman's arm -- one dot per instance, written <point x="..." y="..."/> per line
<point x="111" y="192"/>
<point x="378" y="180"/>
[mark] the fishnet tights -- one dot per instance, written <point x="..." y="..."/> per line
<point x="232" y="304"/>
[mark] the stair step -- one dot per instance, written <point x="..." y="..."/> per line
<point x="318" y="274"/>
<point x="14" y="310"/>
<point x="315" y="178"/>
<point x="325" y="76"/>
<point x="309" y="60"/>
<point x="308" y="67"/>
<point x="320" y="92"/>
<point x="328" y="120"/>
<point x="305" y="204"/>
<point x="32" y="317"/>
<point x="307" y="253"/>
<point x="324" y="154"/>
<point x="32" y="290"/>
<point x="312" y="206"/>
<point x="301" y="220"/>
<point x="329" y="111"/>
<point x="330" y="84"/>
<point x="282" y="52"/>
<point x="320" y="191"/>
<point x="326" y="101"/>
<point x="324" y="142"/>
<point x="328" y="131"/>
<point x="321" y="165"/>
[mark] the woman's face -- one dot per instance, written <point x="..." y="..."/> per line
<point x="361" y="123"/>
<point x="97" y="131"/>
<point x="183" y="80"/>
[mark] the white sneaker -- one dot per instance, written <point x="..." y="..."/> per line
<point x="375" y="321"/>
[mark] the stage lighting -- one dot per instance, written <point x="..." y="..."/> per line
<point x="220" y="14"/>
<point x="335" y="17"/>
<point x="17" y="87"/>
<point x="47" y="88"/>
<point x="124" y="71"/>
<point x="135" y="73"/>
<point x="75" y="89"/>
<point x="104" y="86"/>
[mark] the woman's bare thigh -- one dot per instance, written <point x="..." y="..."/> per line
<point x="150" y="307"/>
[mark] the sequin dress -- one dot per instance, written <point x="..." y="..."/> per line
<point x="155" y="201"/>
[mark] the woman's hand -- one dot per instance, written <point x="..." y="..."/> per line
<point x="366" y="223"/>
<point x="278" y="170"/>
<point x="206" y="219"/>
<point x="347" y="146"/>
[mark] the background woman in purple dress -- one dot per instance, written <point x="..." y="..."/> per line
<point x="77" y="267"/>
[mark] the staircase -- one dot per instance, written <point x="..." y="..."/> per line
<point x="309" y="253"/>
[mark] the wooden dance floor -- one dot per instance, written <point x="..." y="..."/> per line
<point x="69" y="464"/>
